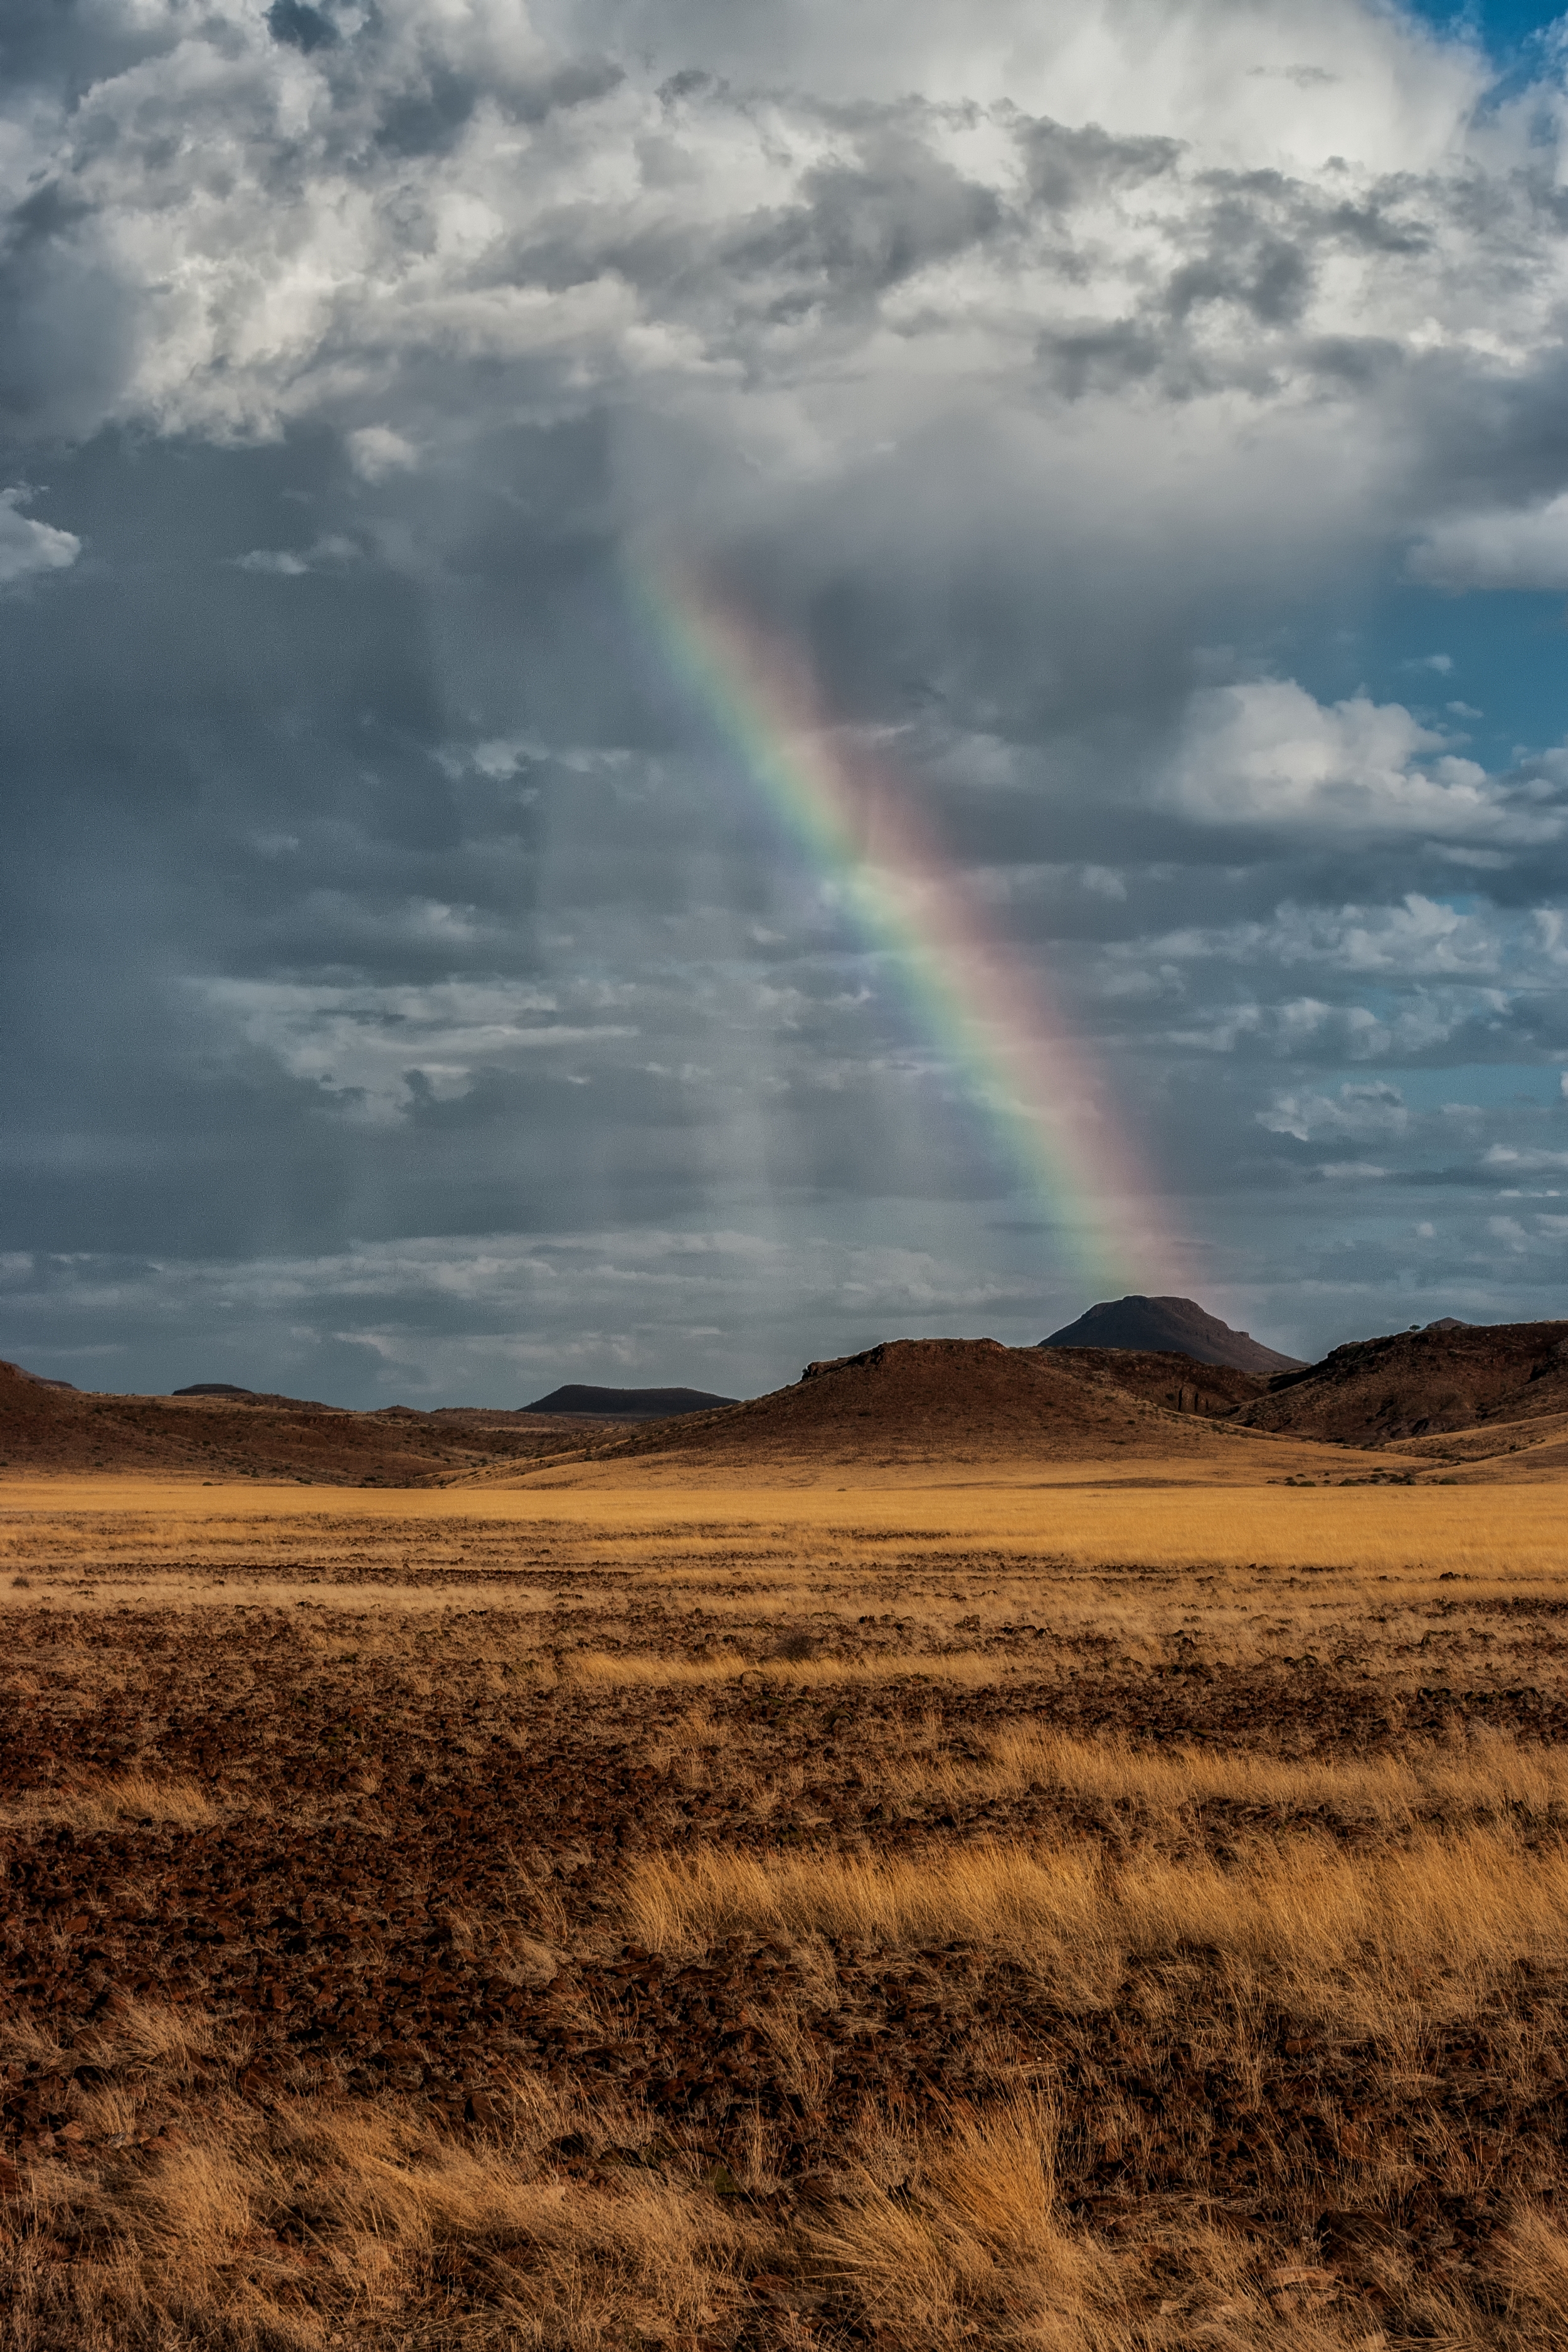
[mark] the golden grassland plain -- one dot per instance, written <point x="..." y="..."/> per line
<point x="1086" y="1512"/>
<point x="1056" y="1912"/>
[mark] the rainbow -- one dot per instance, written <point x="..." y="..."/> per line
<point x="982" y="1009"/>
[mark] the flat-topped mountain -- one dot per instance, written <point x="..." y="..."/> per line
<point x="626" y="1404"/>
<point x="1178" y="1326"/>
<point x="234" y="1395"/>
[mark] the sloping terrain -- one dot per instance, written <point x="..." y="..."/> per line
<point x="1170" y="1325"/>
<point x="1180" y="1382"/>
<point x="578" y="1399"/>
<point x="1536" y="1447"/>
<point x="919" y="1400"/>
<point x="44" y="1427"/>
<point x="1420" y="1384"/>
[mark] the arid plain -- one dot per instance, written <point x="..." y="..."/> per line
<point x="1057" y="1898"/>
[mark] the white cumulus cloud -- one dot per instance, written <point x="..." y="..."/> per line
<point x="1357" y="1113"/>
<point x="1523" y="547"/>
<point x="376" y="451"/>
<point x="28" y="547"/>
<point x="1268" y="753"/>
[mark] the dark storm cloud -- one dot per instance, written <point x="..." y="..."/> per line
<point x="407" y="987"/>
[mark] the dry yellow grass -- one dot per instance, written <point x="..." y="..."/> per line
<point x="251" y="2226"/>
<point x="1486" y="1775"/>
<point x="112" y="1802"/>
<point x="651" y="1671"/>
<point x="1094" y="1514"/>
<point x="1367" y="1939"/>
<point x="111" y="1591"/>
<point x="975" y="2239"/>
<point x="1150" y="1921"/>
<point x="955" y="2238"/>
<point x="933" y="2239"/>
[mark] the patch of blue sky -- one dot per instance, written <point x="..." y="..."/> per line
<point x="1504" y="25"/>
<point x="1504" y="654"/>
<point x="1484" y="1086"/>
<point x="1487" y="666"/>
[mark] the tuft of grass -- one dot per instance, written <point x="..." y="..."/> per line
<point x="801" y="1672"/>
<point x="285" y="2229"/>
<point x="956" y="2237"/>
<point x="128" y="1797"/>
<point x="969" y="2241"/>
<point x="1363" y="1936"/>
<point x="1485" y="1773"/>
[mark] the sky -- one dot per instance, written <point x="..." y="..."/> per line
<point x="689" y="685"/>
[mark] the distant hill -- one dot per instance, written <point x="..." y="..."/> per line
<point x="1449" y="1378"/>
<point x="220" y="1432"/>
<point x="227" y="1390"/>
<point x="1455" y="1395"/>
<point x="1177" y="1326"/>
<point x="947" y="1401"/>
<point x="626" y="1404"/>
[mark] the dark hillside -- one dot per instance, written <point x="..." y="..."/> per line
<point x="627" y="1405"/>
<point x="1169" y="1327"/>
<point x="1179" y="1382"/>
<point x="62" y="1431"/>
<point x="1451" y="1376"/>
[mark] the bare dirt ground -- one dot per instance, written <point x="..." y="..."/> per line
<point x="1123" y="1910"/>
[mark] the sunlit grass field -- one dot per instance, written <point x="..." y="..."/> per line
<point x="1087" y="1915"/>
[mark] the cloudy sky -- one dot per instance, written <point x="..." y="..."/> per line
<point x="1147" y="423"/>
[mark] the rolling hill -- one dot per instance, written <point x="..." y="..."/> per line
<point x="923" y="1401"/>
<point x="1454" y="1395"/>
<point x="47" y="1428"/>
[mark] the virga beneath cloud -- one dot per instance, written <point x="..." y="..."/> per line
<point x="1112" y="408"/>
